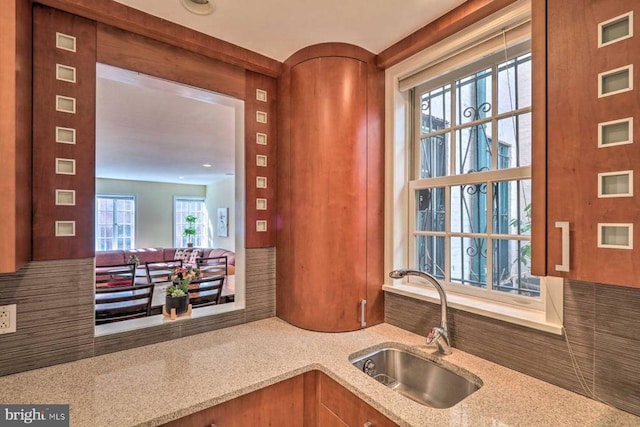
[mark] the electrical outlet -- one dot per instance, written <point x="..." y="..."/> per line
<point x="7" y="319"/>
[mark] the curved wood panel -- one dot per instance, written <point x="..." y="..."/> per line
<point x="325" y="251"/>
<point x="332" y="50"/>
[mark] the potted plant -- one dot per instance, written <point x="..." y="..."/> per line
<point x="178" y="293"/>
<point x="190" y="230"/>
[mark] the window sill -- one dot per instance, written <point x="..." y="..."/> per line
<point x="535" y="319"/>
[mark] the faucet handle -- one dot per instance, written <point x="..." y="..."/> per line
<point x="440" y="338"/>
<point x="434" y="335"/>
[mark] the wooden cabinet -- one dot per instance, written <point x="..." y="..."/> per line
<point x="281" y="404"/>
<point x="590" y="148"/>
<point x="311" y="399"/>
<point x="339" y="407"/>
<point x="330" y="189"/>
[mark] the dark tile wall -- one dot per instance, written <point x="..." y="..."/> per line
<point x="601" y="322"/>
<point x="55" y="313"/>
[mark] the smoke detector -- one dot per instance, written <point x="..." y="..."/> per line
<point x="199" y="7"/>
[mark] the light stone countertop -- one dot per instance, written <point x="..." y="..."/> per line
<point x="150" y="385"/>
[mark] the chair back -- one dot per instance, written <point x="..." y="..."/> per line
<point x="160" y="271"/>
<point x="115" y="275"/>
<point x="114" y="304"/>
<point x="206" y="291"/>
<point x="213" y="266"/>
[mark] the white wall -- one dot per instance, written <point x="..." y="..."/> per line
<point x="154" y="207"/>
<point x="221" y="194"/>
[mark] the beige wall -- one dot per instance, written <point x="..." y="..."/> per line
<point x="154" y="206"/>
<point x="221" y="194"/>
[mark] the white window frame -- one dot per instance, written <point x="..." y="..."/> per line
<point x="135" y="216"/>
<point x="398" y="168"/>
<point x="203" y="221"/>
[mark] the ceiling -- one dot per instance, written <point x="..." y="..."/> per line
<point x="279" y="28"/>
<point x="149" y="129"/>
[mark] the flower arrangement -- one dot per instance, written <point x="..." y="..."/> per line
<point x="181" y="277"/>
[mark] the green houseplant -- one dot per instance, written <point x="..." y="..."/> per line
<point x="190" y="230"/>
<point x="178" y="293"/>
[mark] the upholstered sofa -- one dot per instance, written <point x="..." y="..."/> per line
<point x="163" y="254"/>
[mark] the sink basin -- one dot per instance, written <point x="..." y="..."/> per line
<point x="421" y="380"/>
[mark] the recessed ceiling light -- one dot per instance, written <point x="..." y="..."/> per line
<point x="199" y="7"/>
<point x="206" y="165"/>
<point x="181" y="177"/>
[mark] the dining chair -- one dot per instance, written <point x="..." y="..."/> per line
<point x="114" y="304"/>
<point x="161" y="271"/>
<point x="213" y="266"/>
<point x="206" y="291"/>
<point x="115" y="275"/>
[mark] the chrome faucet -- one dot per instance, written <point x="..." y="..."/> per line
<point x="439" y="335"/>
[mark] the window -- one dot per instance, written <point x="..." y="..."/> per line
<point x="115" y="222"/>
<point x="471" y="215"/>
<point x="459" y="201"/>
<point x="183" y="207"/>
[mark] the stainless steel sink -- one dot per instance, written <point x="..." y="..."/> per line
<point x="419" y="379"/>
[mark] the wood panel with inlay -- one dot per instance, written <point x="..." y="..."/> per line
<point x="260" y="140"/>
<point x="46" y="117"/>
<point x="574" y="158"/>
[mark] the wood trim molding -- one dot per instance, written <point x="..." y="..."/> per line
<point x="464" y="15"/>
<point x="126" y="18"/>
<point x="539" y="135"/>
<point x="15" y="133"/>
<point x="134" y="52"/>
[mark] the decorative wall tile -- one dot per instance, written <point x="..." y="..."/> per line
<point x="65" y="135"/>
<point x="65" y="42"/>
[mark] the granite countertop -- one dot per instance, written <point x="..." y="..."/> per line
<point x="154" y="384"/>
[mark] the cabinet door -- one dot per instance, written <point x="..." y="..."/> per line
<point x="281" y="404"/>
<point x="346" y="406"/>
<point x="326" y="214"/>
<point x="590" y="161"/>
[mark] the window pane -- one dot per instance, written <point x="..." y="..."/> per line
<point x="473" y="97"/>
<point x="435" y="110"/>
<point x="512" y="268"/>
<point x="473" y="152"/>
<point x="195" y="207"/>
<point x="430" y="210"/>
<point x="514" y="141"/>
<point x="512" y="207"/>
<point x="115" y="228"/>
<point x="469" y="208"/>
<point x="434" y="156"/>
<point x="469" y="261"/>
<point x="430" y="255"/>
<point x="514" y="84"/>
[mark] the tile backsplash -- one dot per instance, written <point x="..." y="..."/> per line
<point x="55" y="313"/>
<point x="602" y="323"/>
